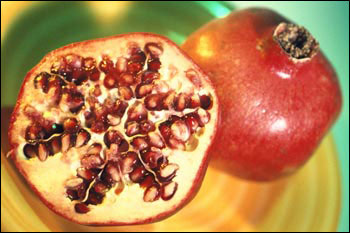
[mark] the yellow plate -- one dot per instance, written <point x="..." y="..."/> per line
<point x="307" y="201"/>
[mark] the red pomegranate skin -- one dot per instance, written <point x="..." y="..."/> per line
<point x="275" y="111"/>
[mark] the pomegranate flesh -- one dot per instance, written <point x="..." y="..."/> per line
<point x="87" y="130"/>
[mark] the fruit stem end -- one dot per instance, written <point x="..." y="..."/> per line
<point x="296" y="41"/>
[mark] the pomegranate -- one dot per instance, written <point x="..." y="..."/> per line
<point x="280" y="95"/>
<point x="104" y="131"/>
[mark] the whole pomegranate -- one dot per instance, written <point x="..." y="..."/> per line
<point x="114" y="131"/>
<point x="279" y="94"/>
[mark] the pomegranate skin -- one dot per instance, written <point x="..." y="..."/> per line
<point x="275" y="110"/>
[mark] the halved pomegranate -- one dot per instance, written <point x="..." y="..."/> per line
<point x="114" y="131"/>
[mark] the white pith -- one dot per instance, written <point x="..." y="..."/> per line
<point x="49" y="177"/>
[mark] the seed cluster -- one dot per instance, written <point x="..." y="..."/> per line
<point x="118" y="160"/>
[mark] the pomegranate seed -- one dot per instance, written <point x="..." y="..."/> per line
<point x="151" y="194"/>
<point x="82" y="189"/>
<point x="66" y="142"/>
<point x="112" y="136"/>
<point x="55" y="81"/>
<point x="96" y="91"/>
<point x="91" y="161"/>
<point x="60" y="67"/>
<point x="165" y="131"/>
<point x="74" y="61"/>
<point x="205" y="102"/>
<point x="132" y="128"/>
<point x="138" y="56"/>
<point x="146" y="126"/>
<point x="86" y="173"/>
<point x="147" y="182"/>
<point x="75" y="72"/>
<point x="143" y="90"/>
<point x="139" y="143"/>
<point x="113" y="120"/>
<point x="152" y="158"/>
<point x="149" y="76"/>
<point x="55" y="145"/>
<point x="71" y="125"/>
<point x="169" y="171"/>
<point x="41" y="81"/>
<point x="94" y="198"/>
<point x="125" y="93"/>
<point x="137" y="112"/>
<point x="121" y="65"/>
<point x="53" y="96"/>
<point x="155" y="140"/>
<point x="112" y="153"/>
<point x="99" y="127"/>
<point x="181" y="102"/>
<point x="194" y="102"/>
<point x="95" y="148"/>
<point x="119" y="188"/>
<point x="153" y="102"/>
<point x="192" y="123"/>
<point x="30" y="151"/>
<point x="168" y="101"/>
<point x="110" y="81"/>
<point x="82" y="138"/>
<point x="168" y="190"/>
<point x="94" y="75"/>
<point x="204" y="117"/>
<point x="79" y="77"/>
<point x="155" y="50"/>
<point x="43" y="152"/>
<point x="106" y="65"/>
<point x="100" y="187"/>
<point x="74" y="183"/>
<point x="81" y="208"/>
<point x="72" y="194"/>
<point x="89" y="118"/>
<point x="126" y="79"/>
<point x="138" y="174"/>
<point x="134" y="67"/>
<point x="123" y="146"/>
<point x="35" y="132"/>
<point x="180" y="130"/>
<point x="76" y="103"/>
<point x="122" y="106"/>
<point x="89" y="64"/>
<point x="112" y="171"/>
<point x="154" y="65"/>
<point x="128" y="162"/>
<point x="176" y="144"/>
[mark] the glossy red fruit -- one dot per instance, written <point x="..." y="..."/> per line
<point x="95" y="155"/>
<point x="280" y="95"/>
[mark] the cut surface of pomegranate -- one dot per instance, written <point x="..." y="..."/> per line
<point x="114" y="131"/>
